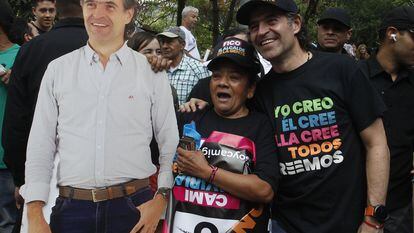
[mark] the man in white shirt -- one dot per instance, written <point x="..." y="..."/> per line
<point x="97" y="108"/>
<point x="188" y="23"/>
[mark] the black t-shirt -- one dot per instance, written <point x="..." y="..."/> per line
<point x="254" y="126"/>
<point x="398" y="95"/>
<point x="317" y="112"/>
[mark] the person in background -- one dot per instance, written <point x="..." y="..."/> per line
<point x="8" y="51"/>
<point x="391" y="73"/>
<point x="237" y="32"/>
<point x="21" y="31"/>
<point x="334" y="30"/>
<point x="185" y="71"/>
<point x="362" y="52"/>
<point x="44" y="12"/>
<point x="188" y="23"/>
<point x="145" y="43"/>
<point x="350" y="50"/>
<point x="354" y="48"/>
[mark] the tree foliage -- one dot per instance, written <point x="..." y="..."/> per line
<point x="366" y="16"/>
<point x="213" y="23"/>
<point x="22" y="8"/>
<point x="156" y="15"/>
<point x="217" y="16"/>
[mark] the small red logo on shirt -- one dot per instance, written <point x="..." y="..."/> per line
<point x="131" y="97"/>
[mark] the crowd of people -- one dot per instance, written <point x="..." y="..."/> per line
<point x="126" y="130"/>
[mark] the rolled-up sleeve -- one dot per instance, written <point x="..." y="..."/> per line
<point x="41" y="146"/>
<point x="165" y="127"/>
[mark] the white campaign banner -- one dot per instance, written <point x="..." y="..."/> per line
<point x="192" y="223"/>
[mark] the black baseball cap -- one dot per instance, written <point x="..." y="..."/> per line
<point x="238" y="51"/>
<point x="245" y="11"/>
<point x="401" y="17"/>
<point x="337" y="14"/>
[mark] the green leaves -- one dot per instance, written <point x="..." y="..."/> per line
<point x="22" y="8"/>
<point x="366" y="16"/>
<point x="158" y="15"/>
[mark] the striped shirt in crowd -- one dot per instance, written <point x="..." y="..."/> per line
<point x="185" y="76"/>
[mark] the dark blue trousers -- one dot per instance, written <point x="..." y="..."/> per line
<point x="8" y="209"/>
<point x="118" y="215"/>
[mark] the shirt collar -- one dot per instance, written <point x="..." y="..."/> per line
<point x="184" y="28"/>
<point x="374" y="66"/>
<point x="181" y="66"/>
<point x="121" y="55"/>
<point x="376" y="69"/>
<point x="183" y="63"/>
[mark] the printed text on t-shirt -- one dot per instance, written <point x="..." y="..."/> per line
<point x="308" y="130"/>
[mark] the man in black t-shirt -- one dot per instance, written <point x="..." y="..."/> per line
<point x="390" y="74"/>
<point x="327" y="125"/>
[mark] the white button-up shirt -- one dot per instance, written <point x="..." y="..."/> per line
<point x="100" y="123"/>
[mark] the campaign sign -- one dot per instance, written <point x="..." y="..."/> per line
<point x="198" y="206"/>
<point x="194" y="223"/>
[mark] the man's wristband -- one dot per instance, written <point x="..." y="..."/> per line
<point x="374" y="225"/>
<point x="379" y="213"/>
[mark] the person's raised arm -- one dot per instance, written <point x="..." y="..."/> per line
<point x="158" y="63"/>
<point x="192" y="105"/>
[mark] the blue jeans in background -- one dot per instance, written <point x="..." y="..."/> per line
<point x="118" y="215"/>
<point x="8" y="209"/>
